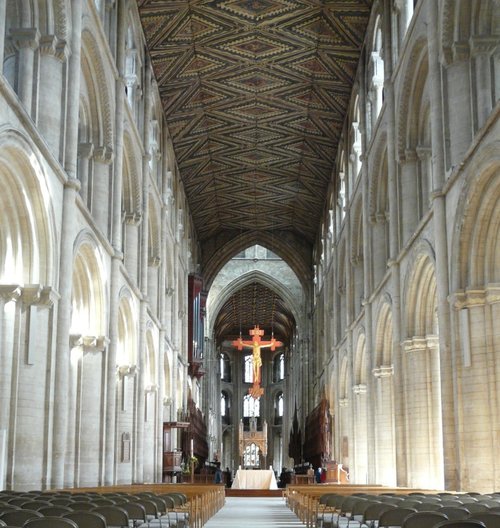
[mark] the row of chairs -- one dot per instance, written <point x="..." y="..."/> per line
<point x="95" y="510"/>
<point x="408" y="511"/>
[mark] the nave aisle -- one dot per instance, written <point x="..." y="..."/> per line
<point x="254" y="512"/>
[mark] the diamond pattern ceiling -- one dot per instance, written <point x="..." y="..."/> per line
<point x="255" y="94"/>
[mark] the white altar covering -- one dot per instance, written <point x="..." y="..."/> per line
<point x="254" y="479"/>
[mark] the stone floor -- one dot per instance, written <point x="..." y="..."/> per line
<point x="254" y="512"/>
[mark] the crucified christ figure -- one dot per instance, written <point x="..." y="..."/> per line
<point x="256" y="344"/>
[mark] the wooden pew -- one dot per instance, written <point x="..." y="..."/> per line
<point x="204" y="500"/>
<point x="303" y="500"/>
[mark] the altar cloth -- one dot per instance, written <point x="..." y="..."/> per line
<point x="254" y="479"/>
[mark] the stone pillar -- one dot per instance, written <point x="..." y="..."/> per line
<point x="131" y="244"/>
<point x="144" y="253"/>
<point x="385" y="444"/>
<point x="394" y="216"/>
<point x="85" y="152"/>
<point x="73" y="98"/>
<point x="27" y="40"/>
<point x="482" y="49"/>
<point x="459" y="101"/>
<point x="409" y="194"/>
<point x="3" y="17"/>
<point x="441" y="246"/>
<point x="359" y="460"/>
<point x="116" y="237"/>
<point x="62" y="365"/>
<point x="101" y="188"/>
<point x="53" y="54"/>
<point x="8" y="293"/>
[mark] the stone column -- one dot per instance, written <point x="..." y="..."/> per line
<point x="359" y="461"/>
<point x="8" y="293"/>
<point x="53" y="55"/>
<point x="409" y="194"/>
<point x="394" y="215"/>
<point x="73" y="98"/>
<point x="85" y="152"/>
<point x="27" y="40"/>
<point x="62" y="365"/>
<point x="482" y="50"/>
<point x="131" y="250"/>
<point x="459" y="101"/>
<point x="144" y="258"/>
<point x="3" y="17"/>
<point x="101" y="187"/>
<point x="441" y="246"/>
<point x="116" y="238"/>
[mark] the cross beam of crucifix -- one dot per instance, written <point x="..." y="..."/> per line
<point x="256" y="344"/>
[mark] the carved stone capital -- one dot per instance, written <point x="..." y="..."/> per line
<point x="103" y="155"/>
<point x="359" y="389"/>
<point x="476" y="296"/>
<point x="25" y="37"/>
<point x="10" y="292"/>
<point x="420" y="343"/>
<point x="134" y="218"/>
<point x="480" y="45"/>
<point x="31" y="294"/>
<point x="154" y="262"/>
<point x="343" y="402"/>
<point x="126" y="371"/>
<point x="85" y="150"/>
<point x="383" y="371"/>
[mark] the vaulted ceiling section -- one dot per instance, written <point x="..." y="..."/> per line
<point x="255" y="93"/>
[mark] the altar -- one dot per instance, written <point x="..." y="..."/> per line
<point x="254" y="479"/>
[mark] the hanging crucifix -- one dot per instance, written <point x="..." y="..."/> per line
<point x="256" y="344"/>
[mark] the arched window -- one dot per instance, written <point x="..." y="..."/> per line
<point x="279" y="367"/>
<point x="279" y="405"/>
<point x="248" y="373"/>
<point x="251" y="407"/>
<point x="224" y="404"/>
<point x="376" y="76"/>
<point x="225" y="367"/>
<point x="251" y="456"/>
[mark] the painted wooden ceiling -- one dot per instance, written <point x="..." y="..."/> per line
<point x="255" y="94"/>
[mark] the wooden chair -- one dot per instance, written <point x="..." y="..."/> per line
<point x="19" y="517"/>
<point x="463" y="523"/>
<point x="50" y="522"/>
<point x="87" y="519"/>
<point x="395" y="517"/>
<point x="424" y="519"/>
<point x="489" y="519"/>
